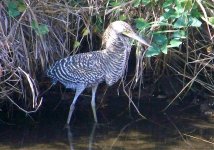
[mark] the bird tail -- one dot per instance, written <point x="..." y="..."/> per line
<point x="50" y="74"/>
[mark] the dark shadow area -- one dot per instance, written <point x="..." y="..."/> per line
<point x="120" y="127"/>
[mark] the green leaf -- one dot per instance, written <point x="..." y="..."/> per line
<point x="174" y="43"/>
<point x="179" y="9"/>
<point x="76" y="44"/>
<point x="170" y="13"/>
<point x="153" y="50"/>
<point x="136" y="3"/>
<point x="158" y="45"/>
<point x="22" y="7"/>
<point x="181" y="22"/>
<point x="195" y="11"/>
<point x="15" y="7"/>
<point x="34" y="25"/>
<point x="211" y="20"/>
<point x="39" y="29"/>
<point x="168" y="3"/>
<point x="164" y="49"/>
<point x="160" y="39"/>
<point x="13" y="13"/>
<point x="187" y="5"/>
<point x="194" y="22"/>
<point x="180" y="34"/>
<point x="43" y="29"/>
<point x="145" y="2"/>
<point x="114" y="4"/>
<point x="12" y="9"/>
<point x="141" y="24"/>
<point x="12" y="5"/>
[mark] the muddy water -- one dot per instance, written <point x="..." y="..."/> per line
<point x="118" y="130"/>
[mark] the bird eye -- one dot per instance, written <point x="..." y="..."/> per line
<point x="126" y="31"/>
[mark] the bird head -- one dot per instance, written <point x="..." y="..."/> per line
<point x="121" y="28"/>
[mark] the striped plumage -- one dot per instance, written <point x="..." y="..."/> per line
<point x="89" y="69"/>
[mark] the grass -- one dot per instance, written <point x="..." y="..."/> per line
<point x="34" y="34"/>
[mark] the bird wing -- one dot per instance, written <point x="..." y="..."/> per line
<point x="82" y="68"/>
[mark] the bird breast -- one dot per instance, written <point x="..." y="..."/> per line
<point x="116" y="63"/>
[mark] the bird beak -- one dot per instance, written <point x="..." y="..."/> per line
<point x="136" y="37"/>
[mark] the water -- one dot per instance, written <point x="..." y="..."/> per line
<point x="117" y="130"/>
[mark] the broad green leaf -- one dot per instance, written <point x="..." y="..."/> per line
<point x="12" y="5"/>
<point x="136" y="3"/>
<point x="162" y="19"/>
<point x="153" y="50"/>
<point x="141" y="24"/>
<point x="12" y="9"/>
<point x="181" y="22"/>
<point x="174" y="43"/>
<point x="42" y="29"/>
<point x="179" y="9"/>
<point x="164" y="49"/>
<point x="181" y="34"/>
<point x="160" y="39"/>
<point x="167" y="3"/>
<point x="34" y="25"/>
<point x="145" y="2"/>
<point x="15" y="7"/>
<point x="187" y="5"/>
<point x="21" y="7"/>
<point x="194" y="22"/>
<point x="115" y="3"/>
<point x="195" y="11"/>
<point x="13" y="12"/>
<point x="85" y="32"/>
<point x="170" y="13"/>
<point x="122" y="17"/>
<point x="179" y="2"/>
<point x="159" y="45"/>
<point x="161" y="42"/>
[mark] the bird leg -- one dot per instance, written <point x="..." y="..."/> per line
<point x="72" y="107"/>
<point x="93" y="104"/>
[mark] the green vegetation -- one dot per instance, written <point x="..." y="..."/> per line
<point x="177" y="16"/>
<point x="15" y="7"/>
<point x="39" y="29"/>
<point x="36" y="33"/>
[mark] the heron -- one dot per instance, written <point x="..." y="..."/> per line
<point x="89" y="69"/>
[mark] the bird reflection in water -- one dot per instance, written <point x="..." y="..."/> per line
<point x="91" y="137"/>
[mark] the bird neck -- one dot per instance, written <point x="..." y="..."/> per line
<point x="116" y="61"/>
<point x="119" y="44"/>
